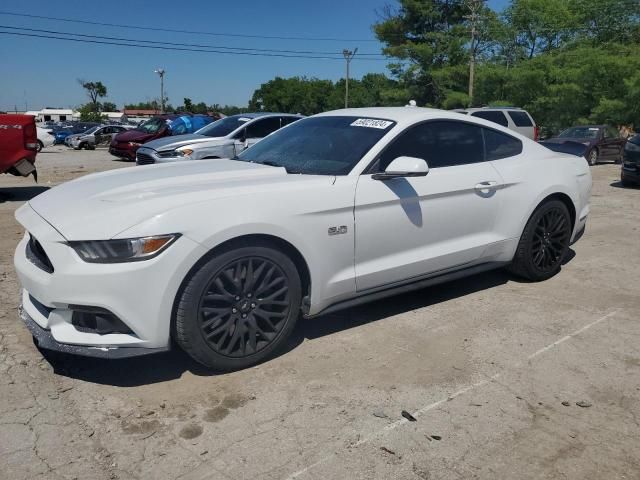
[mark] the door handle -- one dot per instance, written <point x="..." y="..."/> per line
<point x="489" y="185"/>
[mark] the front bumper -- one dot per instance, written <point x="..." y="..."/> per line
<point x="149" y="156"/>
<point x="139" y="294"/>
<point x="122" y="151"/>
<point x="45" y="340"/>
<point x="630" y="171"/>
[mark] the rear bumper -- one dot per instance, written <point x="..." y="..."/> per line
<point x="44" y="339"/>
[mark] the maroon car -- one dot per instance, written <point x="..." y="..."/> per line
<point x="125" y="144"/>
<point x="18" y="145"/>
<point x="602" y="142"/>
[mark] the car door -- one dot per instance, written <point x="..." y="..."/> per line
<point x="412" y="226"/>
<point x="98" y="136"/>
<point x="613" y="143"/>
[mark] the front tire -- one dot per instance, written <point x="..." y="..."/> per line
<point x="544" y="242"/>
<point x="39" y="146"/>
<point x="238" y="308"/>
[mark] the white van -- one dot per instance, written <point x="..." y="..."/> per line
<point x="513" y="118"/>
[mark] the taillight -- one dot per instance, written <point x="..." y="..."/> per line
<point x="536" y="133"/>
<point x="29" y="137"/>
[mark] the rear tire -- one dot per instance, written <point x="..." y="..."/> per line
<point x="39" y="146"/>
<point x="238" y="308"/>
<point x="544" y="242"/>
<point x="592" y="158"/>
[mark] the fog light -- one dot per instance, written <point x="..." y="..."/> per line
<point x="97" y="320"/>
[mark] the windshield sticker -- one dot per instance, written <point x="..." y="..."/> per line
<point x="593" y="129"/>
<point x="243" y="119"/>
<point x="371" y="123"/>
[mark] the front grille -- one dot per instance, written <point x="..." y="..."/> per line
<point x="37" y="255"/>
<point x="144" y="159"/>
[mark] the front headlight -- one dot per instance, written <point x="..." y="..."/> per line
<point x="125" y="250"/>
<point x="184" y="152"/>
<point x="134" y="144"/>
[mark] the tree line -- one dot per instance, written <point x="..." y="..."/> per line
<point x="565" y="61"/>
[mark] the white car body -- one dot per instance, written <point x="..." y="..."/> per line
<point x="203" y="145"/>
<point x="357" y="235"/>
<point x="45" y="137"/>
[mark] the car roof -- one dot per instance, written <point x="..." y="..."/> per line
<point x="485" y="109"/>
<point x="397" y="114"/>
<point x="587" y="126"/>
<point x="265" y="114"/>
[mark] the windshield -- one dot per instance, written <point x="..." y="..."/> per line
<point x="152" y="125"/>
<point x="224" y="126"/>
<point x="90" y="131"/>
<point x="580" y="132"/>
<point x="319" y="145"/>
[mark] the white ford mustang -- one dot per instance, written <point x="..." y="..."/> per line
<point x="344" y="207"/>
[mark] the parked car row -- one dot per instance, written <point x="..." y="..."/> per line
<point x="94" y="137"/>
<point x="125" y="145"/>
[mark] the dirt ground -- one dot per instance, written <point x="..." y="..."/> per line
<point x="490" y="367"/>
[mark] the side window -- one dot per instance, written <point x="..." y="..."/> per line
<point x="288" y="120"/>
<point x="440" y="143"/>
<point x="493" y="116"/>
<point x="264" y="127"/>
<point x="611" y="132"/>
<point x="521" y="119"/>
<point x="500" y="145"/>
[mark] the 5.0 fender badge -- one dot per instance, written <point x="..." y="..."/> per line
<point x="342" y="229"/>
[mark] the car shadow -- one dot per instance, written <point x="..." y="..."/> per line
<point x="166" y="366"/>
<point x="619" y="184"/>
<point x="20" y="194"/>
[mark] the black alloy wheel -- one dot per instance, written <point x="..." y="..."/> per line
<point x="244" y="307"/>
<point x="544" y="242"/>
<point x="550" y="238"/>
<point x="238" y="307"/>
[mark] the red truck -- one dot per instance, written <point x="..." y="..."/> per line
<point x="18" y="144"/>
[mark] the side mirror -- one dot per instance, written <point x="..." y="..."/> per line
<point x="404" y="167"/>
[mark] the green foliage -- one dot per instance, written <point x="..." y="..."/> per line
<point x="94" y="90"/>
<point x="108" y="107"/>
<point x="566" y="61"/>
<point x="90" y="113"/>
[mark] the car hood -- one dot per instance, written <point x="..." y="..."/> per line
<point x="133" y="136"/>
<point x="102" y="205"/>
<point x="171" y="143"/>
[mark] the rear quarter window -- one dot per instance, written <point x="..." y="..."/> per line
<point x="521" y="119"/>
<point x="493" y="116"/>
<point x="500" y="145"/>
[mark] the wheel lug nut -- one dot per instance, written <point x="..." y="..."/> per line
<point x="234" y="310"/>
<point x="237" y="298"/>
<point x="244" y="315"/>
<point x="253" y="305"/>
<point x="248" y="295"/>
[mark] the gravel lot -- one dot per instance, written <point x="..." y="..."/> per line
<point x="483" y="364"/>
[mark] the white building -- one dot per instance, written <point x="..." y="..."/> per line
<point x="119" y="117"/>
<point x="56" y="115"/>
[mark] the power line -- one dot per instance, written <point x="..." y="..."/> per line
<point x="191" y="32"/>
<point x="219" y="47"/>
<point x="183" y="49"/>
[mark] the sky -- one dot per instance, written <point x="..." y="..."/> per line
<point x="38" y="72"/>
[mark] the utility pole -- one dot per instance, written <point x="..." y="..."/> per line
<point x="160" y="72"/>
<point x="474" y="16"/>
<point x="348" y="56"/>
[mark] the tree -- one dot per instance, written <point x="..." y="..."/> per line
<point x="89" y="113"/>
<point x="109" y="107"/>
<point x="95" y="90"/>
